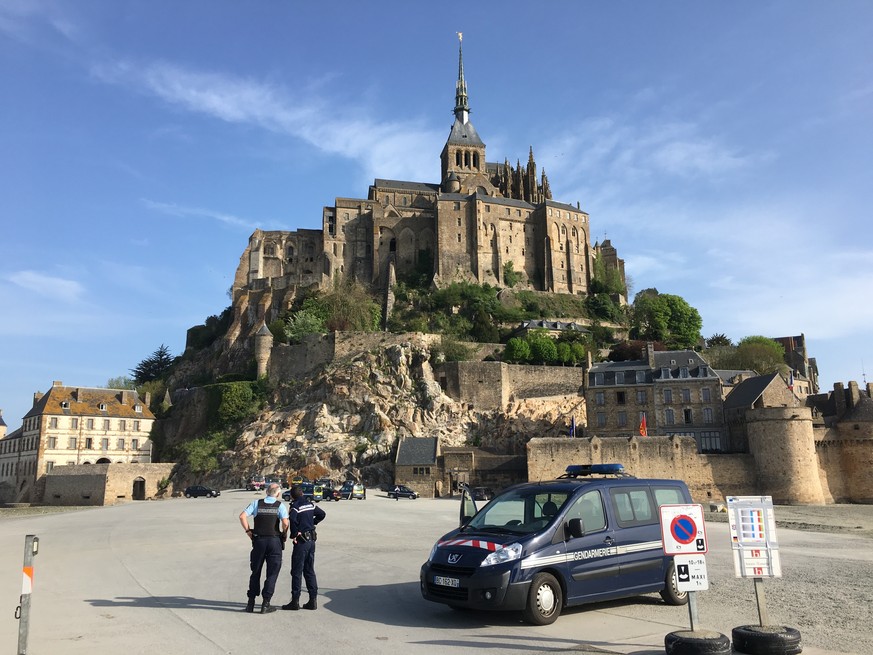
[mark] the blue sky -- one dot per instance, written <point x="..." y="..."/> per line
<point x="726" y="149"/>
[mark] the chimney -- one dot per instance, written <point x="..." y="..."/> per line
<point x="78" y="394"/>
<point x="854" y="394"/>
<point x="839" y="400"/>
<point x="57" y="383"/>
<point x="37" y="396"/>
<point x="148" y="398"/>
<point x="125" y="397"/>
<point x="650" y="354"/>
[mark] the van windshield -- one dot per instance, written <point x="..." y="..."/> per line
<point x="523" y="511"/>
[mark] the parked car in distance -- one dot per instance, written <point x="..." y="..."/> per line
<point x="311" y="491"/>
<point x="255" y="483"/>
<point x="482" y="493"/>
<point x="198" y="490"/>
<point x="353" y="490"/>
<point x="402" y="491"/>
<point x="331" y="493"/>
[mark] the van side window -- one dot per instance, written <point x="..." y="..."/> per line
<point x="589" y="508"/>
<point x="668" y="496"/>
<point x="632" y="507"/>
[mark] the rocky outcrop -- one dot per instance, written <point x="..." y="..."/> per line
<point x="350" y="414"/>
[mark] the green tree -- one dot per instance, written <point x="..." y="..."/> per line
<point x="760" y="354"/>
<point x="517" y="350"/>
<point x="511" y="277"/>
<point x="121" y="382"/>
<point x="301" y="323"/>
<point x="579" y="353"/>
<point x="665" y="317"/>
<point x="543" y="349"/>
<point x="154" y="367"/>
<point x="717" y="340"/>
<point x="564" y="353"/>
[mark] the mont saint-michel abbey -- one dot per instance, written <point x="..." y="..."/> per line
<point x="479" y="221"/>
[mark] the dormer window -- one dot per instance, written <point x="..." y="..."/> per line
<point x="102" y="407"/>
<point x="65" y="404"/>
<point x="137" y="408"/>
<point x="683" y="372"/>
<point x="665" y="372"/>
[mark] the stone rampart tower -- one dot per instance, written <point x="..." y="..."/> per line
<point x="782" y="444"/>
<point x="263" y="348"/>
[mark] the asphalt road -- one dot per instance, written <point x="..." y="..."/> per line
<point x="170" y="577"/>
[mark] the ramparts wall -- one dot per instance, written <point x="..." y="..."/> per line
<point x="103" y="484"/>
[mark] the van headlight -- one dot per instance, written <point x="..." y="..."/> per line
<point x="433" y="552"/>
<point x="505" y="554"/>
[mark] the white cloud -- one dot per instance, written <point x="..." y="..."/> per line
<point x="48" y="286"/>
<point x="188" y="212"/>
<point x="381" y="148"/>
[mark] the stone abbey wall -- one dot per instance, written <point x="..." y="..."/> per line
<point x="709" y="477"/>
<point x="103" y="484"/>
<point x="844" y="469"/>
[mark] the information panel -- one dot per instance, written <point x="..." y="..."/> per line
<point x="753" y="537"/>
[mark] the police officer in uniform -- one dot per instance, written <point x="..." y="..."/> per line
<point x="268" y="540"/>
<point x="304" y="517"/>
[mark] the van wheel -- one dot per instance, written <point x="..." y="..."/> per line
<point x="670" y="593"/>
<point x="543" y="600"/>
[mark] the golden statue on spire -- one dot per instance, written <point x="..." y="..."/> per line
<point x="460" y="36"/>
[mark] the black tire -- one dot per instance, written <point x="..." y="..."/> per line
<point x="544" y="600"/>
<point x="697" y="642"/>
<point x="187" y="495"/>
<point x="670" y="593"/>
<point x="764" y="640"/>
<point x="391" y="495"/>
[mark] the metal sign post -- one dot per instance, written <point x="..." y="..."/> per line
<point x="22" y="612"/>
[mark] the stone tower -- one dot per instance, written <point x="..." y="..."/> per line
<point x="782" y="443"/>
<point x="263" y="347"/>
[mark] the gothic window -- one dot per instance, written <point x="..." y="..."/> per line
<point x="458" y="158"/>
<point x="405" y="201"/>
<point x="475" y="160"/>
<point x="564" y="230"/>
<point x="392" y="246"/>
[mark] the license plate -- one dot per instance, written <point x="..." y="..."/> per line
<point x="446" y="582"/>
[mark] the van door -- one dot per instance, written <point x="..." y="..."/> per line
<point x="592" y="559"/>
<point x="638" y="537"/>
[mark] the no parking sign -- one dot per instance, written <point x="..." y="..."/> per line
<point x="683" y="531"/>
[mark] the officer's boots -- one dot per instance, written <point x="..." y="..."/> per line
<point x="311" y="605"/>
<point x="293" y="605"/>
<point x="250" y="606"/>
<point x="266" y="608"/>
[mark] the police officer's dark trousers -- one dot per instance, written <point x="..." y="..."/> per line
<point x="265" y="550"/>
<point x="303" y="567"/>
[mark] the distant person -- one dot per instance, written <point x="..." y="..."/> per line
<point x="396" y="493"/>
<point x="270" y="519"/>
<point x="304" y="517"/>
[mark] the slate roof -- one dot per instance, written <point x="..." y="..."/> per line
<point x="415" y="451"/>
<point x="424" y="187"/>
<point x="747" y="392"/>
<point x="464" y="134"/>
<point x="86" y="401"/>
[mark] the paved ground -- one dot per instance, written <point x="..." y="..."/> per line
<point x="170" y="577"/>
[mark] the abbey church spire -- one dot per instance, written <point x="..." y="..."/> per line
<point x="462" y="108"/>
<point x="463" y="157"/>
